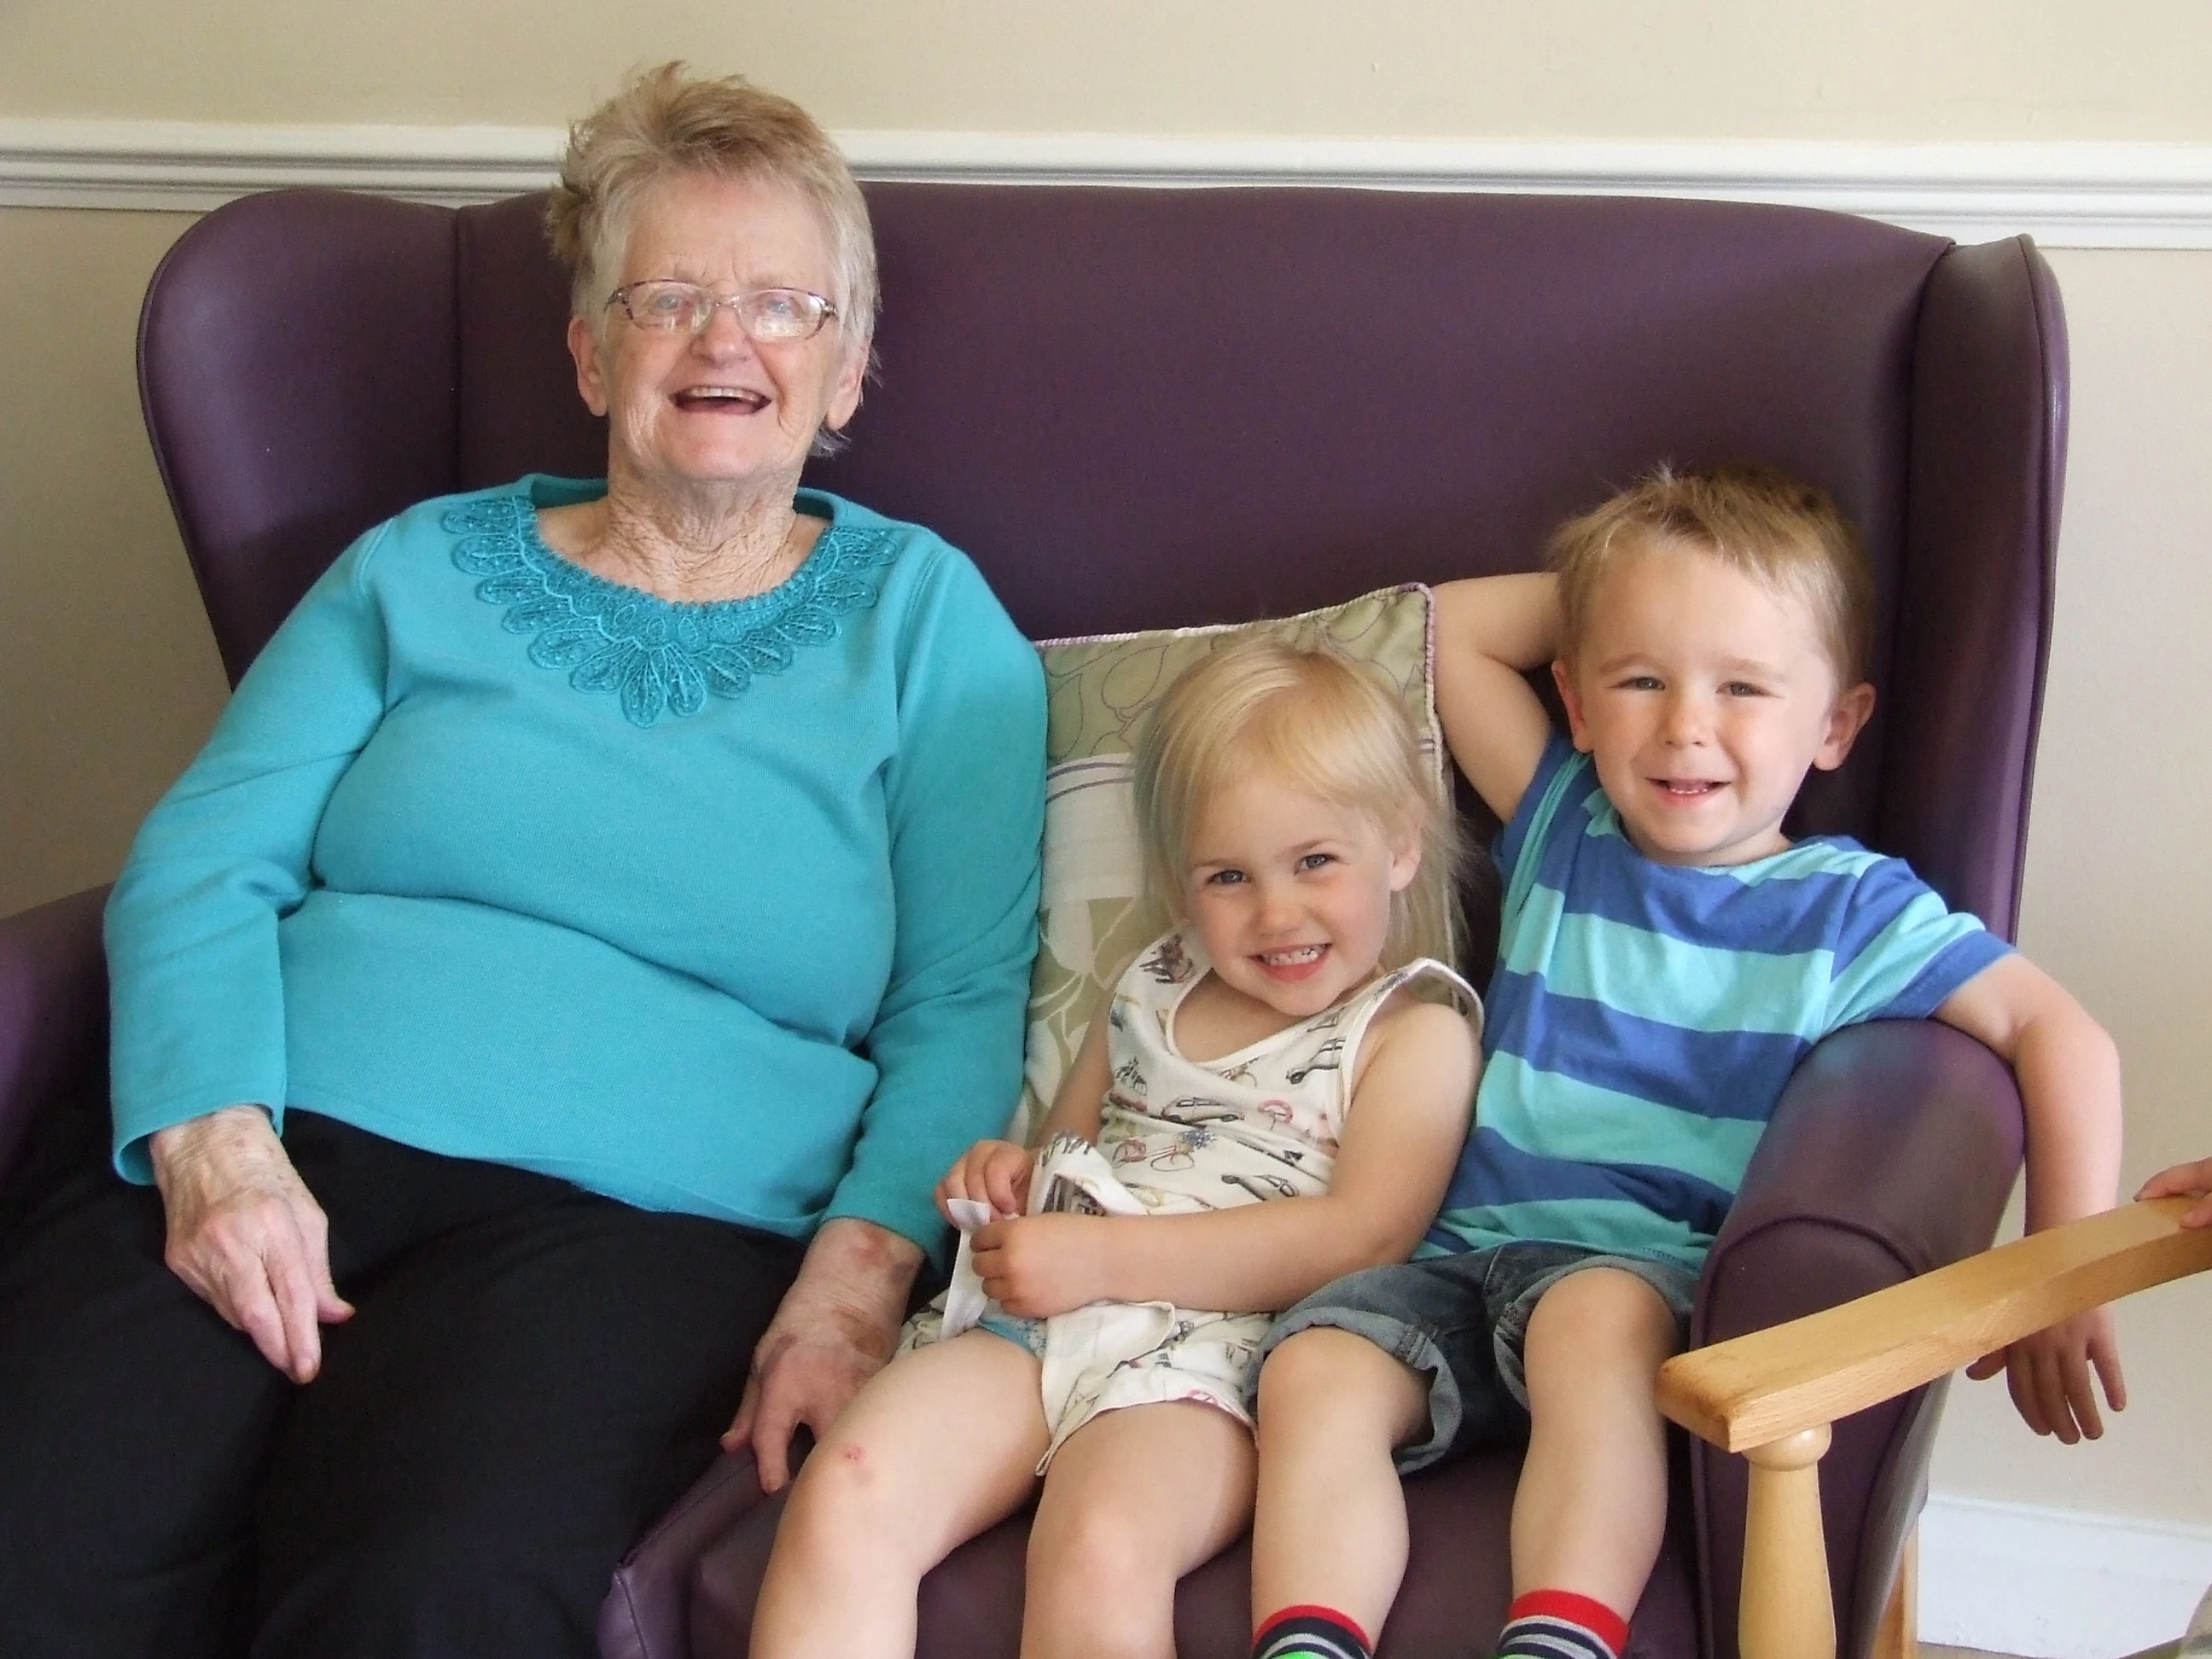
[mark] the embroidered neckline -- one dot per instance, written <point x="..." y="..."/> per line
<point x="657" y="655"/>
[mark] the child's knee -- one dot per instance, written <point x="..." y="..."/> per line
<point x="841" y="1492"/>
<point x="1083" y="1545"/>
<point x="1602" y="1316"/>
<point x="1336" y="1382"/>
<point x="1313" y="1366"/>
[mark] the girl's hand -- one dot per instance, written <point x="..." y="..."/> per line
<point x="2188" y="1181"/>
<point x="992" y="1172"/>
<point x="1037" y="1265"/>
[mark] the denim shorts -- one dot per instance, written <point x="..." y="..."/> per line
<point x="1463" y="1319"/>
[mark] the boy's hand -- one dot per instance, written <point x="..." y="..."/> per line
<point x="992" y="1172"/>
<point x="2049" y="1374"/>
<point x="2185" y="1179"/>
<point x="1037" y="1265"/>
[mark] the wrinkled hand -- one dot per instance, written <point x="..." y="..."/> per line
<point x="2187" y="1181"/>
<point x="2049" y="1374"/>
<point x="1036" y="1265"/>
<point x="246" y="1235"/>
<point x="992" y="1172"/>
<point x="835" y="1328"/>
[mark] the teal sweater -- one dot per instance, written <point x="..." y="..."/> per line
<point x="726" y="908"/>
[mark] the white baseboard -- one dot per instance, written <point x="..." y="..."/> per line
<point x="2054" y="1583"/>
<point x="2065" y="195"/>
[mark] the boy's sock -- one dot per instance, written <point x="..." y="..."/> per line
<point x="1311" y="1633"/>
<point x="1561" y="1625"/>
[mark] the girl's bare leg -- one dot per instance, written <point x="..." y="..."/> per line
<point x="1135" y="1499"/>
<point x="1591" y="1507"/>
<point x="1330" y="1526"/>
<point x="941" y="1443"/>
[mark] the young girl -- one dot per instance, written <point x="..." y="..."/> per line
<point x="1265" y="1106"/>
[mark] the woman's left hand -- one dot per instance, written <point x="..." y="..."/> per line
<point x="835" y="1329"/>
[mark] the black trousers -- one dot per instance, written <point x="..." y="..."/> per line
<point x="534" y="1374"/>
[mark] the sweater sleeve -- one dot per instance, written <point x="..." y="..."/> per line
<point x="965" y="799"/>
<point x="197" y="1000"/>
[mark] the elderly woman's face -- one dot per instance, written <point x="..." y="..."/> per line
<point x="718" y="407"/>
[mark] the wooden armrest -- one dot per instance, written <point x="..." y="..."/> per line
<point x="1757" y="1388"/>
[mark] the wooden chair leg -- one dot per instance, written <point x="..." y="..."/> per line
<point x="1899" y="1635"/>
<point x="1786" y="1611"/>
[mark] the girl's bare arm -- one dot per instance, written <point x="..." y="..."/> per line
<point x="1401" y="1140"/>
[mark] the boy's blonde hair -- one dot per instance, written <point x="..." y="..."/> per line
<point x="1786" y="535"/>
<point x="1308" y="717"/>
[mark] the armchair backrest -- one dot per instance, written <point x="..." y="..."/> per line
<point x="1136" y="407"/>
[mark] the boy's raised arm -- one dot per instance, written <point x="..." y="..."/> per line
<point x="2068" y="1072"/>
<point x="1491" y="631"/>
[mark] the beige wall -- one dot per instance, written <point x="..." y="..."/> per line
<point x="1824" y="68"/>
<point x="2118" y="904"/>
<point x="107" y="678"/>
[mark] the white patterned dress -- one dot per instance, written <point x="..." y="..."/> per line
<point x="1177" y="1136"/>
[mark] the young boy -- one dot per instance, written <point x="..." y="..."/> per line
<point x="1666" y="957"/>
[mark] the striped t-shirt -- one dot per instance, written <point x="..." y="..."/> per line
<point x="1644" y="1017"/>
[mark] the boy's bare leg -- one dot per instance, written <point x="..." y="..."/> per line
<point x="1329" y="1527"/>
<point x="1134" y="1500"/>
<point x="941" y="1443"/>
<point x="1591" y="1506"/>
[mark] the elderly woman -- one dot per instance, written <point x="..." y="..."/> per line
<point x="543" y="1009"/>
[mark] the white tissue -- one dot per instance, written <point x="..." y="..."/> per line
<point x="964" y="1297"/>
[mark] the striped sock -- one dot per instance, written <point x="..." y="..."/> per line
<point x="1311" y="1633"/>
<point x="1561" y="1625"/>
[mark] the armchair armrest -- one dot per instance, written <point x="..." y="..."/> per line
<point x="1758" y="1388"/>
<point x="1891" y="1152"/>
<point x="1774" y="1393"/>
<point x="53" y="1009"/>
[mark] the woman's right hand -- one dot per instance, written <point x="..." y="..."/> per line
<point x="992" y="1172"/>
<point x="246" y="1235"/>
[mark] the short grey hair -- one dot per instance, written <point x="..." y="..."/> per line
<point x="667" y="121"/>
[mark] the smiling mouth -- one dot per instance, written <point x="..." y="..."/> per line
<point x="718" y="400"/>
<point x="1687" y="788"/>
<point x="1299" y="962"/>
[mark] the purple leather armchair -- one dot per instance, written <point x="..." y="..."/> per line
<point x="1137" y="407"/>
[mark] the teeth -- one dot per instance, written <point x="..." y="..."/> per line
<point x="1291" y="958"/>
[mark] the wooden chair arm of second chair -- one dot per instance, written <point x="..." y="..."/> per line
<point x="1772" y="1394"/>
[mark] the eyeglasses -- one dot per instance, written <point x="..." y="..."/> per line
<point x="772" y="316"/>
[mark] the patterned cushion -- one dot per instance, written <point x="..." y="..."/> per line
<point x="1094" y="916"/>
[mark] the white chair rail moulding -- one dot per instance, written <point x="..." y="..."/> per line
<point x="2071" y="194"/>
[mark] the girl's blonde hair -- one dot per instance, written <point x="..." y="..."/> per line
<point x="1306" y="716"/>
